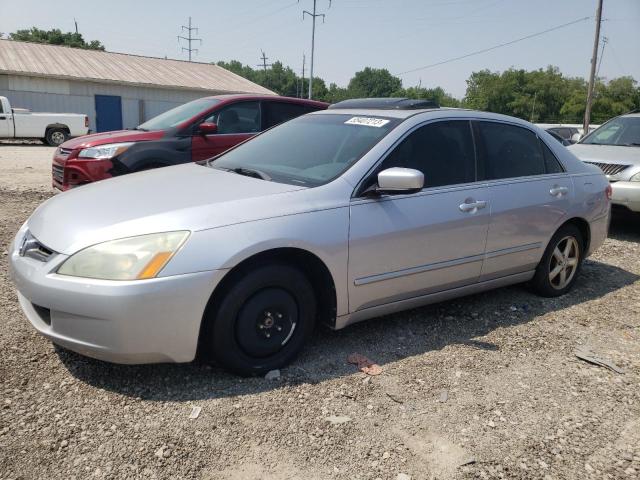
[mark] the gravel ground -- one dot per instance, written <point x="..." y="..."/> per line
<point x="482" y="387"/>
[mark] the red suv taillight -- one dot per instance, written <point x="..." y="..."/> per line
<point x="86" y="121"/>
<point x="608" y="191"/>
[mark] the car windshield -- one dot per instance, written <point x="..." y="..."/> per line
<point x="310" y="150"/>
<point x="176" y="116"/>
<point x="624" y="131"/>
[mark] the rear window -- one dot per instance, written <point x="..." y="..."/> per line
<point x="509" y="151"/>
<point x="310" y="150"/>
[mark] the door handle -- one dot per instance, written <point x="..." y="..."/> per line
<point x="472" y="206"/>
<point x="558" y="191"/>
<point x="3" y="118"/>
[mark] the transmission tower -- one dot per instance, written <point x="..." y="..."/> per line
<point x="189" y="38"/>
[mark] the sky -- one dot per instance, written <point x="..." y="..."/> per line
<point x="399" y="35"/>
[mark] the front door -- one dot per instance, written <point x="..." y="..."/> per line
<point x="529" y="193"/>
<point x="108" y="113"/>
<point x="6" y="123"/>
<point x="236" y="123"/>
<point x="408" y="245"/>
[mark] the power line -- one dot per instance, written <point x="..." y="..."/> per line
<point x="313" y="16"/>
<point x="189" y="39"/>
<point x="605" y="40"/>
<point x="484" y="50"/>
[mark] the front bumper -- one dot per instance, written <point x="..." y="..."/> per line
<point x="626" y="194"/>
<point x="143" y="321"/>
<point x="67" y="172"/>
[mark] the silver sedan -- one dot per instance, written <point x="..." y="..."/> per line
<point x="334" y="217"/>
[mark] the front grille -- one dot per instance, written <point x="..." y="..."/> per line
<point x="65" y="151"/>
<point x="32" y="248"/>
<point x="58" y="173"/>
<point x="610" y="168"/>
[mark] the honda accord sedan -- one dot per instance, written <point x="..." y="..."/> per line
<point x="338" y="216"/>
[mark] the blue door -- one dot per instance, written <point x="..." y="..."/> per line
<point x="108" y="113"/>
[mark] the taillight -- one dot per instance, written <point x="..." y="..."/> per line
<point x="86" y="121"/>
<point x="608" y="191"/>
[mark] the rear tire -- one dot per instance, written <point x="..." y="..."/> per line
<point x="262" y="320"/>
<point x="56" y="137"/>
<point x="561" y="263"/>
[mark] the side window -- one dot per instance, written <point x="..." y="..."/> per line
<point x="443" y="151"/>
<point x="509" y="151"/>
<point x="243" y="117"/>
<point x="551" y="163"/>
<point x="278" y="112"/>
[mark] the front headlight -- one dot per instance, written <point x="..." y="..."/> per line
<point x="635" y="178"/>
<point x="134" y="258"/>
<point x="105" y="151"/>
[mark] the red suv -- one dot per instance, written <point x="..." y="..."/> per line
<point x="194" y="131"/>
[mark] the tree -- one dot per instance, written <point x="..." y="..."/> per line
<point x="55" y="37"/>
<point x="374" y="82"/>
<point x="548" y="96"/>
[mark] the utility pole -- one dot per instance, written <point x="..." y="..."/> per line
<point x="592" y="76"/>
<point x="533" y="108"/>
<point x="313" y="16"/>
<point x="76" y="22"/>
<point x="303" y="64"/>
<point x="264" y="63"/>
<point x="189" y="38"/>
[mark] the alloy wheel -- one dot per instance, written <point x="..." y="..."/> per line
<point x="563" y="262"/>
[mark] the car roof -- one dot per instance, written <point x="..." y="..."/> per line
<point x="431" y="113"/>
<point x="249" y="96"/>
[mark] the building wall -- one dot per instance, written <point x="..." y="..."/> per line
<point x="69" y="96"/>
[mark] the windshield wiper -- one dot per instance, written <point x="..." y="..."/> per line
<point x="250" y="172"/>
<point x="247" y="172"/>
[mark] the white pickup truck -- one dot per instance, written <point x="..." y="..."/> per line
<point x="53" y="128"/>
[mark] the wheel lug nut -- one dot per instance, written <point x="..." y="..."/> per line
<point x="268" y="335"/>
<point x="279" y="315"/>
<point x="279" y="328"/>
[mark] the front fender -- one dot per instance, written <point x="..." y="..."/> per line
<point x="323" y="233"/>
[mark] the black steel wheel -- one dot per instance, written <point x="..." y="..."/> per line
<point x="261" y="321"/>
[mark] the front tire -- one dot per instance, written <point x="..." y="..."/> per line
<point x="262" y="321"/>
<point x="562" y="260"/>
<point x="56" y="137"/>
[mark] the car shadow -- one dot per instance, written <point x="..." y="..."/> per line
<point x="384" y="340"/>
<point x="625" y="225"/>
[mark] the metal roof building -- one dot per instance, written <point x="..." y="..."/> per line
<point x="115" y="90"/>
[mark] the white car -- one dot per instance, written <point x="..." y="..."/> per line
<point x="615" y="148"/>
<point x="53" y="128"/>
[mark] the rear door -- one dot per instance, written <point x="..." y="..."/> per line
<point x="236" y="123"/>
<point x="529" y="194"/>
<point x="408" y="245"/>
<point x="274" y="113"/>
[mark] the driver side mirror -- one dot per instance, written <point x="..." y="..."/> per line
<point x="207" y="128"/>
<point x="399" y="180"/>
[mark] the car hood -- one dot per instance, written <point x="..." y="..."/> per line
<point x="606" y="153"/>
<point x="185" y="197"/>
<point x="111" y="137"/>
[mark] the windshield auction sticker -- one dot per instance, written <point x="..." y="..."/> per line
<point x="367" y="121"/>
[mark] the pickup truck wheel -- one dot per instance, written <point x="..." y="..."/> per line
<point x="262" y="321"/>
<point x="56" y="137"/>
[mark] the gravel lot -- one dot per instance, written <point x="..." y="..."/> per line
<point x="482" y="387"/>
